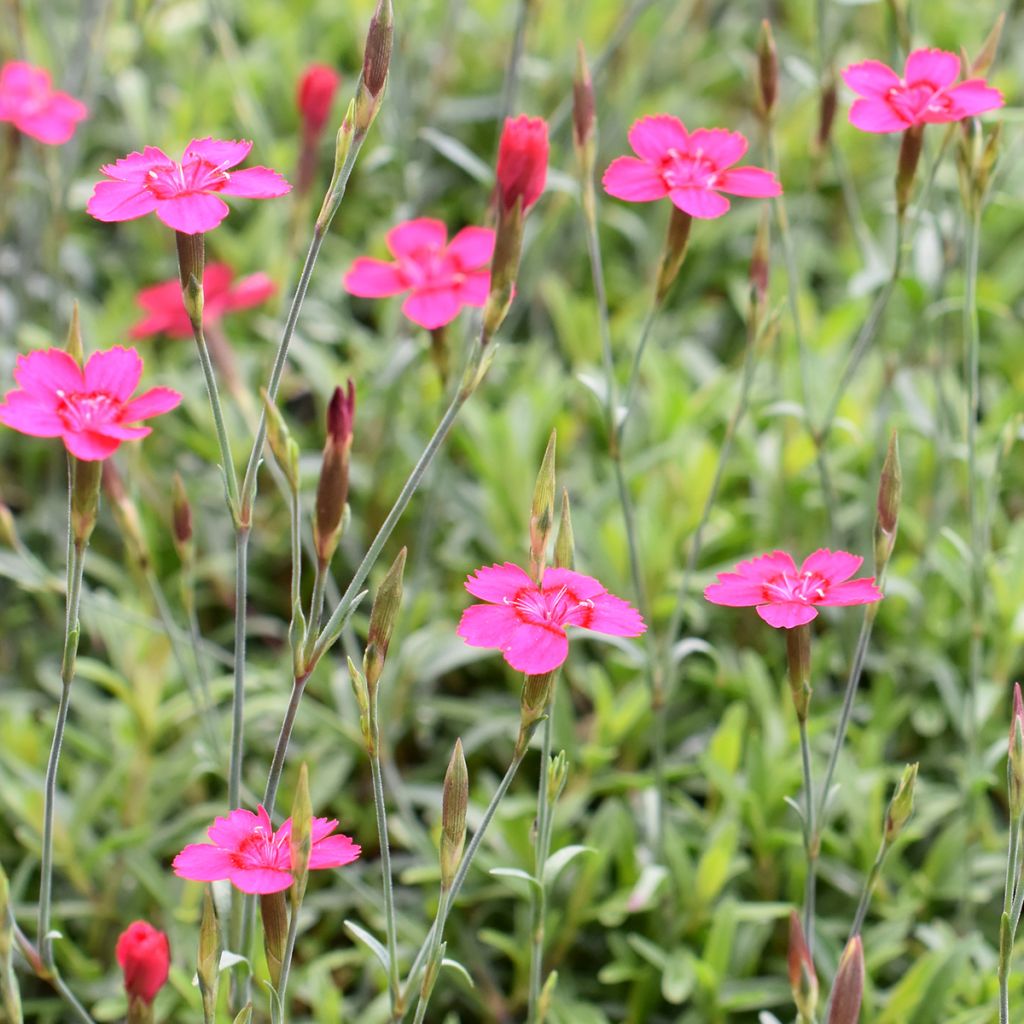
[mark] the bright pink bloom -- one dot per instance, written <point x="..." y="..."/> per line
<point x="317" y="87"/>
<point x="786" y="596"/>
<point x="33" y="107"/>
<point x="186" y="195"/>
<point x="522" y="160"/>
<point x="165" y="311"/>
<point x="528" y="623"/>
<point x="441" y="276"/>
<point x="245" y="850"/>
<point x="145" y="956"/>
<point x="924" y="95"/>
<point x="90" y="410"/>
<point x="691" y="168"/>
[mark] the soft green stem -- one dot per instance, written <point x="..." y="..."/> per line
<point x="316" y="603"/>
<point x="634" y="371"/>
<point x="279" y="1008"/>
<point x="541" y="848"/>
<point x="1006" y="941"/>
<point x="869" y="885"/>
<point x="433" y="957"/>
<point x="810" y="837"/>
<point x="515" y="57"/>
<point x="281" y="750"/>
<point x="238" y="702"/>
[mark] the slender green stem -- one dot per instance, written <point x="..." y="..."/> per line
<point x="810" y="837"/>
<point x="279" y="1009"/>
<point x="316" y="602"/>
<point x="515" y="57"/>
<point x="541" y="848"/>
<point x="634" y="371"/>
<point x="1006" y="942"/>
<point x="238" y="703"/>
<point x="869" y="885"/>
<point x="433" y="957"/>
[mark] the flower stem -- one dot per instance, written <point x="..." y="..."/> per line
<point x="515" y="57"/>
<point x="869" y="885"/>
<point x="433" y="957"/>
<point x="541" y="847"/>
<point x="1006" y="933"/>
<point x="810" y="837"/>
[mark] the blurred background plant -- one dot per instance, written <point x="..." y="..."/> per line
<point x="699" y="937"/>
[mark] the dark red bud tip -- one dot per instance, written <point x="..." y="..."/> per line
<point x="1018" y="708"/>
<point x="377" y="55"/>
<point x="522" y="161"/>
<point x="341" y="414"/>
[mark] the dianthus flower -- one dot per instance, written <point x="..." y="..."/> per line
<point x="29" y="102"/>
<point x="245" y="850"/>
<point x="185" y="195"/>
<point x="528" y="623"/>
<point x="924" y="95"/>
<point x="441" y="276"/>
<point x="90" y="409"/>
<point x="166" y="314"/>
<point x="144" y="955"/>
<point x="691" y="168"/>
<point x="522" y="161"/>
<point x="785" y="596"/>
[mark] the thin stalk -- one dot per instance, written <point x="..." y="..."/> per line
<point x="1012" y="876"/>
<point x="279" y="1008"/>
<point x="515" y="57"/>
<point x="810" y="837"/>
<point x="433" y="956"/>
<point x="869" y="885"/>
<point x="238" y="702"/>
<point x="316" y="601"/>
<point x="540" y="855"/>
<point x="634" y="371"/>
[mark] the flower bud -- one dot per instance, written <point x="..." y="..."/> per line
<point x="522" y="161"/>
<point x="584" y="118"/>
<point x="301" y="836"/>
<point x="126" y="513"/>
<point x="910" y="153"/>
<point x="362" y="695"/>
<point x="542" y="511"/>
<point x="987" y="54"/>
<point x="332" y="487"/>
<point x="285" y="450"/>
<point x="827" y="104"/>
<point x="191" y="264"/>
<point x="73" y="345"/>
<point x="798" y="653"/>
<point x="144" y="955"/>
<point x="803" y="980"/>
<point x="890" y="488"/>
<point x="383" y="614"/>
<point x="208" y="961"/>
<point x="767" y="70"/>
<point x="901" y="806"/>
<point x="565" y="545"/>
<point x="317" y="87"/>
<point x="760" y="260"/>
<point x="1015" y="763"/>
<point x="558" y="775"/>
<point x="8" y="529"/>
<point x="454" y="800"/>
<point x="533" y="706"/>
<point x="181" y="516"/>
<point x="376" y="61"/>
<point x="676" y="240"/>
<point x="848" y="988"/>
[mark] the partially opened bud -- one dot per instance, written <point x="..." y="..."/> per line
<point x="383" y="616"/>
<point x="803" y="979"/>
<point x="144" y="955"/>
<point x="376" y="62"/>
<point x="901" y="806"/>
<point x="454" y="801"/>
<point x="542" y="511"/>
<point x="848" y="988"/>
<point x="1015" y="763"/>
<point x="767" y="70"/>
<point x="332" y="487"/>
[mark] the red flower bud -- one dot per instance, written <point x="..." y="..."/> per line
<point x="341" y="414"/>
<point x="144" y="955"/>
<point x="316" y="92"/>
<point x="332" y="488"/>
<point x="522" y="161"/>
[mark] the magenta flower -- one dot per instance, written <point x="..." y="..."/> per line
<point x="690" y="168"/>
<point x="186" y="195"/>
<point x="528" y="623"/>
<point x="924" y="95"/>
<point x="90" y="410"/>
<point x="786" y="596"/>
<point x="165" y="311"/>
<point x="245" y="850"/>
<point x="33" y="107"/>
<point x="441" y="276"/>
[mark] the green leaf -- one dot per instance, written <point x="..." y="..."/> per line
<point x="370" y="942"/>
<point x="561" y="859"/>
<point x="679" y="977"/>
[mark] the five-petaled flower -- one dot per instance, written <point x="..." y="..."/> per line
<point x="30" y="103"/>
<point x="245" y="850"/>
<point x="185" y="195"/>
<point x="165" y="312"/>
<point x="522" y="161"/>
<point x="924" y="95"/>
<point x="90" y="410"/>
<point x="785" y="596"/>
<point x="691" y="168"/>
<point x="528" y="623"/>
<point x="441" y="276"/>
<point x="144" y="955"/>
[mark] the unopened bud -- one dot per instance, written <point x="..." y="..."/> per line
<point x="8" y="529"/>
<point x="558" y="775"/>
<point x="760" y="260"/>
<point x="767" y="70"/>
<point x="1015" y="762"/>
<point x="508" y="244"/>
<point x="208" y="961"/>
<point x="454" y="801"/>
<point x="332" y="487"/>
<point x="191" y="264"/>
<point x="285" y="450"/>
<point x="987" y="54"/>
<point x="583" y="111"/>
<point x="546" y="994"/>
<point x="181" y="514"/>
<point x="798" y="653"/>
<point x="910" y="153"/>
<point x="301" y="837"/>
<point x="827" y="104"/>
<point x="542" y="511"/>
<point x="73" y="345"/>
<point x="342" y="148"/>
<point x="85" y="499"/>
<point x="126" y="513"/>
<point x="890" y="489"/>
<point x="986" y="162"/>
<point x="244" y="1015"/>
<point x="848" y="988"/>
<point x="362" y="694"/>
<point x="803" y="979"/>
<point x="565" y="545"/>
<point x="674" y="253"/>
<point x="901" y="806"/>
<point x="376" y="62"/>
<point x="383" y="615"/>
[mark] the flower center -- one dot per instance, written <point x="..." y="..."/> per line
<point x="554" y="607"/>
<point x="87" y="411"/>
<point x="911" y="101"/>
<point x="802" y="588"/>
<point x="688" y="170"/>
<point x="197" y="175"/>
<point x="261" y="849"/>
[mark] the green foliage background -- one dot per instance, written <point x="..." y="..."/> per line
<point x="701" y="938"/>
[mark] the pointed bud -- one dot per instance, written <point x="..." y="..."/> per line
<point x="798" y="653"/>
<point x="910" y="153"/>
<point x="181" y="514"/>
<point x="126" y="513"/>
<point x="362" y="694"/>
<point x="565" y="544"/>
<point x="987" y="54"/>
<point x="454" y="801"/>
<point x="332" y="487"/>
<point x="383" y="615"/>
<point x="301" y="838"/>
<point x="285" y="450"/>
<point x="760" y="260"/>
<point x="558" y="776"/>
<point x="342" y="149"/>
<point x="848" y="989"/>
<point x="901" y="806"/>
<point x="676" y="240"/>
<point x="803" y="980"/>
<point x="244" y="1015"/>
<point x="85" y="499"/>
<point x="546" y="994"/>
<point x="191" y="265"/>
<point x="542" y="511"/>
<point x="73" y="345"/>
<point x="767" y="70"/>
<point x="274" y="915"/>
<point x="1015" y="762"/>
<point x="827" y="104"/>
<point x="376" y="62"/>
<point x="890" y="489"/>
<point x="583" y="111"/>
<point x="208" y="961"/>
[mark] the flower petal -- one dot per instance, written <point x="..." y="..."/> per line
<point x="610" y="614"/>
<point x="203" y="863"/>
<point x="423" y="233"/>
<point x="474" y="288"/>
<point x="634" y="180"/>
<point x="584" y="587"/>
<point x="652" y="137"/>
<point x="495" y="582"/>
<point x="432" y="307"/>
<point x="787" y="614"/>
<point x="374" y="279"/>
<point x="834" y="566"/>
<point x="192" y="213"/>
<point x="22" y="412"/>
<point x="260" y="880"/>
<point x="256" y="183"/>
<point x="764" y="567"/>
<point x="870" y="78"/>
<point x="221" y="153"/>
<point x="721" y="146"/>
<point x="136" y="166"/>
<point x="702" y="203"/>
<point x="333" y="851"/>
<point x="472" y="247"/>
<point x="861" y="591"/>
<point x="113" y="201"/>
<point x="115" y="372"/>
<point x="231" y="831"/>
<point x="251" y="290"/>
<point x="90" y="446"/>
<point x="876" y="116"/>
<point x="487" y="625"/>
<point x="734" y="591"/>
<point x="974" y="96"/>
<point x="153" y="402"/>
<point x="749" y="181"/>
<point x="535" y="649"/>
<point x="933" y="67"/>
<point x="45" y="372"/>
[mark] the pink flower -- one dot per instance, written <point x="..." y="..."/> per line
<point x="165" y="312"/>
<point x="145" y="956"/>
<point x="924" y="95"/>
<point x="690" y="168"/>
<point x="186" y="195"/>
<point x="245" y="850"/>
<point x="33" y="107"/>
<point x="786" y="596"/>
<point x="528" y="623"/>
<point x="317" y="87"/>
<point x="441" y="276"/>
<point x="522" y="160"/>
<point x="90" y="410"/>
